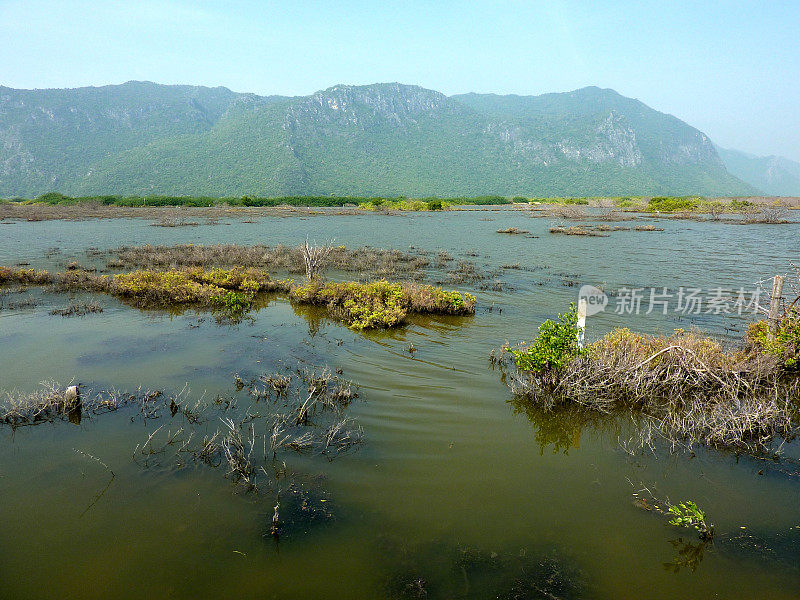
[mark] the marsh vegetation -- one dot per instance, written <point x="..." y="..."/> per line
<point x="684" y="389"/>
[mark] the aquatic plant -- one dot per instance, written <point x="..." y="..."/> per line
<point x="687" y="514"/>
<point x="56" y="402"/>
<point x="441" y="570"/>
<point x="575" y="230"/>
<point x="78" y="309"/>
<point x="376" y="304"/>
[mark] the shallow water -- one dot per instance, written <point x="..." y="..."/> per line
<point x="447" y="462"/>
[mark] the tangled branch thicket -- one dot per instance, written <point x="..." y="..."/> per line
<point x="684" y="389"/>
<point x="314" y="258"/>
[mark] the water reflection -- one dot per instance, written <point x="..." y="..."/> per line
<point x="688" y="555"/>
<point x="562" y="428"/>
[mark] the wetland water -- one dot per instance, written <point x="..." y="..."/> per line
<point x="453" y="490"/>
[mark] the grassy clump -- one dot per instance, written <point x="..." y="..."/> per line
<point x="381" y="304"/>
<point x="223" y="287"/>
<point x="575" y="230"/>
<point x="368" y="262"/>
<point x="228" y="288"/>
<point x="24" y="276"/>
<point x="78" y="309"/>
<point x="377" y="304"/>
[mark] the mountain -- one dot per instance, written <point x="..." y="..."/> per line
<point x="774" y="175"/>
<point x="382" y="139"/>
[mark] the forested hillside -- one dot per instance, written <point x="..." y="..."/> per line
<point x="382" y="139"/>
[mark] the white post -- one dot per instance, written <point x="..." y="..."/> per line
<point x="583" y="304"/>
<point x="774" y="306"/>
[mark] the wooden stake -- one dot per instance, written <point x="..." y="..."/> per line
<point x="583" y="305"/>
<point x="774" y="306"/>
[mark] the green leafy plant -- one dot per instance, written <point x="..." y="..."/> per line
<point x="688" y="514"/>
<point x="235" y="302"/>
<point x="554" y="347"/>
<point x="785" y="341"/>
<point x="670" y="204"/>
<point x="435" y="205"/>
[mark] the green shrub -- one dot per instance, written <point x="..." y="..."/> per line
<point x="785" y="344"/>
<point x="381" y="304"/>
<point x="55" y="198"/>
<point x="669" y="204"/>
<point x="235" y="303"/>
<point x="554" y="347"/>
<point x="435" y="205"/>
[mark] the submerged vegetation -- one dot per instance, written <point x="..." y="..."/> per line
<point x="307" y="414"/>
<point x="440" y="570"/>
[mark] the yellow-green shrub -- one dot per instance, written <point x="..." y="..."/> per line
<point x="785" y="343"/>
<point x="31" y="276"/>
<point x="381" y="303"/>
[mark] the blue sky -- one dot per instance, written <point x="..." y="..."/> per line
<point x="732" y="69"/>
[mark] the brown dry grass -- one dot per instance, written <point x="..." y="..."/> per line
<point x="683" y="388"/>
<point x="567" y="212"/>
<point x="368" y="262"/>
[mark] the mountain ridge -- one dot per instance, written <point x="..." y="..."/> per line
<point x="378" y="139"/>
<point x="775" y="175"/>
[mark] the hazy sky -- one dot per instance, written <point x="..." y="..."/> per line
<point x="732" y="69"/>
